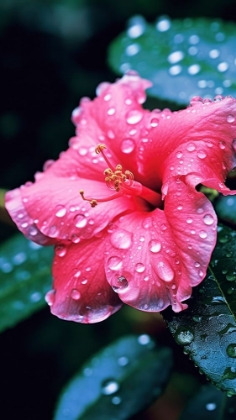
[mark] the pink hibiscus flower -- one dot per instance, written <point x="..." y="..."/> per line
<point x="141" y="233"/>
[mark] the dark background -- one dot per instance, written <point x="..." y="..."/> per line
<point x="53" y="53"/>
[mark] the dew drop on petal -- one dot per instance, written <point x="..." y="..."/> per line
<point x="191" y="147"/>
<point x="60" y="211"/>
<point x="201" y="154"/>
<point x="80" y="221"/>
<point x="208" y="219"/>
<point x="222" y="145"/>
<point x="139" y="267"/>
<point x="75" y="294"/>
<point x="121" y="239"/>
<point x="189" y="220"/>
<point x="203" y="234"/>
<point x="127" y="146"/>
<point x="179" y="155"/>
<point x="134" y="116"/>
<point x="114" y="263"/>
<point x="50" y="297"/>
<point x="60" y="250"/>
<point x="119" y="284"/>
<point x="165" y="271"/>
<point x="154" y="246"/>
<point x="230" y="118"/>
<point x="147" y="223"/>
<point x="154" y="122"/>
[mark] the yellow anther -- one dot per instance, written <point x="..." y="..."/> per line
<point x="91" y="201"/>
<point x="115" y="178"/>
<point x="99" y="148"/>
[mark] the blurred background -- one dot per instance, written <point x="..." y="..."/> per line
<point x="53" y="53"/>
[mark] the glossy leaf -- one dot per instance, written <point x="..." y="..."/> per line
<point x="183" y="58"/>
<point x="210" y="404"/>
<point x="25" y="277"/>
<point x="118" y="382"/>
<point x="207" y="329"/>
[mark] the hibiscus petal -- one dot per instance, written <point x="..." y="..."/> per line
<point x="199" y="139"/>
<point x="117" y="119"/>
<point x="81" y="292"/>
<point x="166" y="252"/>
<point x="53" y="208"/>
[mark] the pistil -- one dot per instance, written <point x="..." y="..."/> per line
<point x="123" y="183"/>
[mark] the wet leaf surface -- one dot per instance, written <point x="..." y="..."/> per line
<point x="210" y="404"/>
<point x="25" y="274"/>
<point x="226" y="209"/>
<point x="118" y="382"/>
<point x="183" y="58"/>
<point x="207" y="329"/>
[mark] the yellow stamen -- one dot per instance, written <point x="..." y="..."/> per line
<point x="122" y="183"/>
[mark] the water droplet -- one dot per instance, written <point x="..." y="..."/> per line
<point x="127" y="146"/>
<point x="120" y="284"/>
<point x="194" y="69"/>
<point x="60" y="250"/>
<point x="175" y="70"/>
<point x="109" y="387"/>
<point x="230" y="118"/>
<point x="121" y="239"/>
<point x="211" y="406"/>
<point x="154" y="122"/>
<point x="179" y="155"/>
<point x="75" y="294"/>
<point x="147" y="223"/>
<point x="231" y="276"/>
<point x="139" y="267"/>
<point x="222" y="145"/>
<point x="154" y="246"/>
<point x="116" y="400"/>
<point x="208" y="219"/>
<point x="165" y="271"/>
<point x="137" y="27"/>
<point x="83" y="151"/>
<point x="201" y="154"/>
<point x="75" y="238"/>
<point x="175" y="57"/>
<point x="189" y="220"/>
<point x="231" y="350"/>
<point x="80" y="221"/>
<point x="144" y="339"/>
<point x="179" y="208"/>
<point x="203" y="234"/>
<point x="191" y="147"/>
<point x="123" y="361"/>
<point x="60" y="211"/>
<point x="50" y="297"/>
<point x="163" y="24"/>
<point x="222" y="66"/>
<point x="134" y="116"/>
<point x="111" y="111"/>
<point x="132" y="49"/>
<point x="84" y="281"/>
<point x="214" y="53"/>
<point x="197" y="264"/>
<point x="184" y="336"/>
<point x="114" y="263"/>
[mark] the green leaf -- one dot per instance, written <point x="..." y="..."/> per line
<point x="25" y="277"/>
<point x="182" y="58"/>
<point x="210" y="404"/>
<point x="118" y="382"/>
<point x="226" y="208"/>
<point x="207" y="329"/>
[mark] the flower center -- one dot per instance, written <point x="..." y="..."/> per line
<point x="123" y="183"/>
